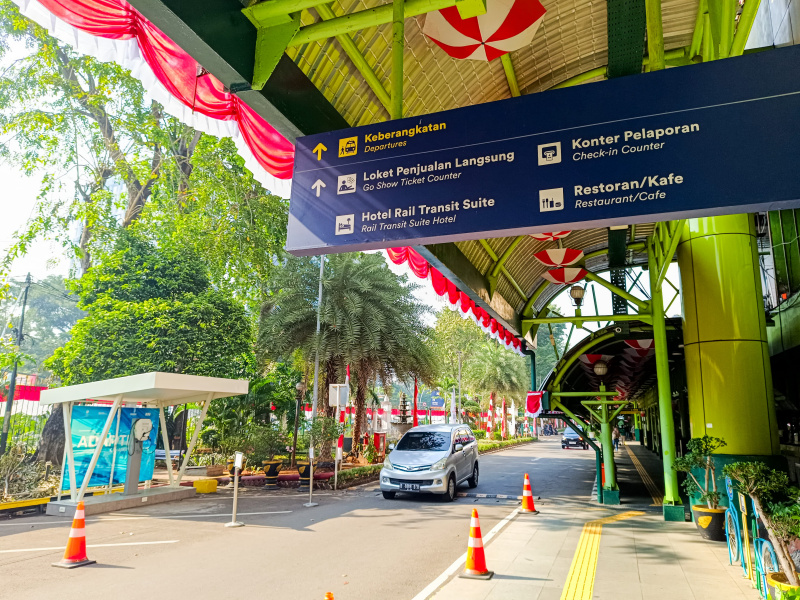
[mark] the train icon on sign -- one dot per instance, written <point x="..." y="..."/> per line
<point x="551" y="199"/>
<point x="549" y="154"/>
<point x="348" y="147"/>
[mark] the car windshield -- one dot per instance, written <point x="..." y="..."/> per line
<point x="570" y="433"/>
<point x="424" y="440"/>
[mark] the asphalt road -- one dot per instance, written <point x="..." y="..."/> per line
<point x="354" y="544"/>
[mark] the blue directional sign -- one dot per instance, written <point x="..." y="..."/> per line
<point x="701" y="140"/>
<point x="436" y="400"/>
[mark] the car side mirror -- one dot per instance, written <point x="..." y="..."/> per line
<point x="459" y="447"/>
<point x="391" y="446"/>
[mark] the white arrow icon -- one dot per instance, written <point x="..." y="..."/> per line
<point x="317" y="186"/>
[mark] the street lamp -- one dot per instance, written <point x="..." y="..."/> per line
<point x="301" y="390"/>
<point x="600" y="368"/>
<point x="576" y="293"/>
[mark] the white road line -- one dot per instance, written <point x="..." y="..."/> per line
<point x="68" y="522"/>
<point x="90" y="546"/>
<point x="448" y="572"/>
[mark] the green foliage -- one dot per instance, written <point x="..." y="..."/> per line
<point x="350" y="475"/>
<point x="22" y="478"/>
<point x="699" y="457"/>
<point x="546" y="357"/>
<point x="370" y="453"/>
<point x="50" y="315"/>
<point x="493" y="369"/>
<point x="265" y="441"/>
<point x="487" y="446"/>
<point x="479" y="434"/>
<point x="759" y="481"/>
<point x="324" y="431"/>
<point x="198" y="332"/>
<point x="451" y="335"/>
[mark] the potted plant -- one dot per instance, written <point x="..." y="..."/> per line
<point x="710" y="519"/>
<point x="266" y="441"/>
<point x="777" y="503"/>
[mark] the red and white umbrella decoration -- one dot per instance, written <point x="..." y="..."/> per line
<point x="551" y="236"/>
<point x="641" y="344"/>
<point x="564" y="276"/>
<point x="508" y="25"/>
<point x="559" y="257"/>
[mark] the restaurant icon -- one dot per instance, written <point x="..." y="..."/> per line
<point x="551" y="199"/>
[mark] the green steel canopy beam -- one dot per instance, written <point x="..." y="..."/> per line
<point x="746" y="20"/>
<point x="640" y="304"/>
<point x="381" y="15"/>
<point x="664" y="243"/>
<point x="582" y="394"/>
<point x="493" y="255"/>
<point x="266" y="12"/>
<point x="511" y="75"/>
<point x="497" y="268"/>
<point x="646" y="318"/>
<point x="398" y="46"/>
<point x="358" y="60"/>
<point x="655" y="35"/>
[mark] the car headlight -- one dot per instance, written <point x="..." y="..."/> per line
<point x="439" y="464"/>
<point x="387" y="463"/>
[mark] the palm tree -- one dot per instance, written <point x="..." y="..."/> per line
<point x="495" y="369"/>
<point x="368" y="319"/>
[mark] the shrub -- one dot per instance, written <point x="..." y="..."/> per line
<point x="480" y="434"/>
<point x="358" y="473"/>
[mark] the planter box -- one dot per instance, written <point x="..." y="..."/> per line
<point x="214" y="470"/>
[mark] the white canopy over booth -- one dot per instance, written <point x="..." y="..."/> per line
<point x="153" y="390"/>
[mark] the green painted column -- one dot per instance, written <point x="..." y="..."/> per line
<point x="673" y="505"/>
<point x="608" y="450"/>
<point x="728" y="373"/>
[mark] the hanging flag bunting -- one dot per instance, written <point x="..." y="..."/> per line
<point x="559" y="257"/>
<point x="506" y="26"/>
<point x="551" y="236"/>
<point x="533" y="404"/>
<point x="416" y="391"/>
<point x="564" y="276"/>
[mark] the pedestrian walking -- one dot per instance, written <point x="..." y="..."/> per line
<point x="615" y="436"/>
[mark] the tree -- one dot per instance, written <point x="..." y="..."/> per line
<point x="546" y="354"/>
<point x="108" y="160"/>
<point x="50" y="315"/>
<point x="495" y="369"/>
<point x="151" y="309"/>
<point x="369" y="319"/>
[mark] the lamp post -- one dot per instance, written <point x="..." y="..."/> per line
<point x="576" y="292"/>
<point x="301" y="389"/>
<point x="600" y="369"/>
<point x="460" y="420"/>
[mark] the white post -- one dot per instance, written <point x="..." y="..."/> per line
<point x="336" y="456"/>
<point x="316" y="360"/>
<point x="237" y="465"/>
<point x="460" y="418"/>
<point x="309" y="504"/>
<point x="63" y="468"/>
<point x="114" y="456"/>
<point x="195" y="435"/>
<point x="165" y="439"/>
<point x="67" y="408"/>
<point x="99" y="449"/>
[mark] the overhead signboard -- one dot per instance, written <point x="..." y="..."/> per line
<point x="700" y="140"/>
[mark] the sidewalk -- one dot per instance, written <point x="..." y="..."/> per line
<point x="575" y="550"/>
<point x="640" y="557"/>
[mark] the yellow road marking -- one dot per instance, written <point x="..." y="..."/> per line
<point x="580" y="580"/>
<point x="652" y="488"/>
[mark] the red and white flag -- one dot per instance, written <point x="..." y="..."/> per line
<point x="416" y="416"/>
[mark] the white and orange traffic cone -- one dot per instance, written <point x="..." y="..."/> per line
<point x="476" y="560"/>
<point x="527" y="498"/>
<point x="329" y="596"/>
<point x="75" y="554"/>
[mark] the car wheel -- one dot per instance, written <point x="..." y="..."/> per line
<point x="563" y="447"/>
<point x="450" y="494"/>
<point x="473" y="481"/>
<point x="389" y="495"/>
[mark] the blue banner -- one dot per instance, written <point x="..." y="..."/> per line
<point x="436" y="400"/>
<point x="699" y="140"/>
<point x="87" y="425"/>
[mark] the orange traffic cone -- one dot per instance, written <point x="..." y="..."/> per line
<point x="476" y="560"/>
<point x="328" y="596"/>
<point x="527" y="498"/>
<point x="75" y="554"/>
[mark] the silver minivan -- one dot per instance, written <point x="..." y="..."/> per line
<point x="432" y="459"/>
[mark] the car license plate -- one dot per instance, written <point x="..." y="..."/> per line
<point x="409" y="487"/>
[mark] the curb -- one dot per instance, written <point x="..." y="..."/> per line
<point x="492" y="496"/>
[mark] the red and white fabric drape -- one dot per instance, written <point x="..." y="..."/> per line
<point x="112" y="30"/>
<point x="457" y="300"/>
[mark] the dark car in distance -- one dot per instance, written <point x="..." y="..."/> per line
<point x="570" y="438"/>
